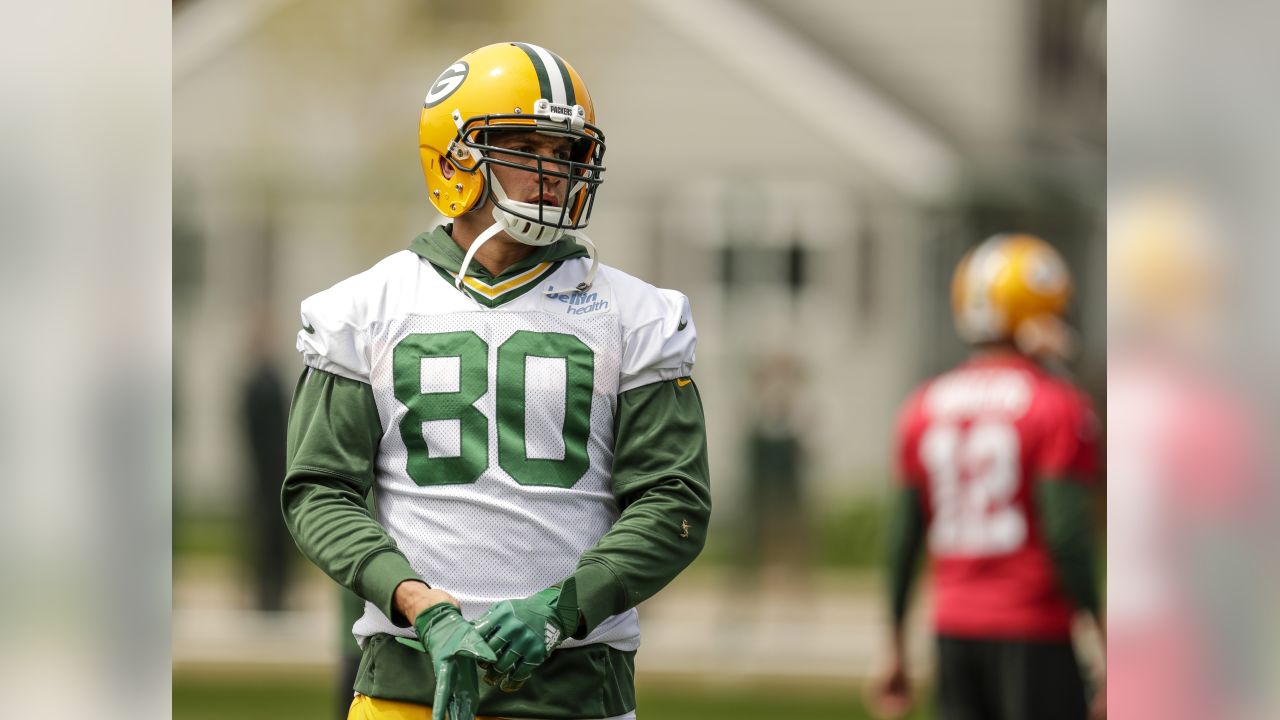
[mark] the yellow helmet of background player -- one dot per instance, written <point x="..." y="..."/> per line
<point x="1166" y="266"/>
<point x="503" y="88"/>
<point x="1013" y="288"/>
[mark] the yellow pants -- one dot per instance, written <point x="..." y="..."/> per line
<point x="364" y="707"/>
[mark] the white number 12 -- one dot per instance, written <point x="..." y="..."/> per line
<point x="973" y="477"/>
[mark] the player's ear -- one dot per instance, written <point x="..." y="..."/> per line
<point x="446" y="167"/>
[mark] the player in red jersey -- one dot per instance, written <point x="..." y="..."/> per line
<point x="1189" y="461"/>
<point x="995" y="461"/>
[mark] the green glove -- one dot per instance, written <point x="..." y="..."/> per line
<point x="455" y="648"/>
<point x="523" y="633"/>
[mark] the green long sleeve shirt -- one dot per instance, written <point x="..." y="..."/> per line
<point x="659" y="479"/>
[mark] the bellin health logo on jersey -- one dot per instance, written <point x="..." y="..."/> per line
<point x="580" y="303"/>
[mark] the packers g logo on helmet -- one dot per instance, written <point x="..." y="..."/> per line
<point x="1013" y="288"/>
<point x="444" y="86"/>
<point x="509" y="87"/>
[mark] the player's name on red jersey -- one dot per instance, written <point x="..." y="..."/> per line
<point x="979" y="391"/>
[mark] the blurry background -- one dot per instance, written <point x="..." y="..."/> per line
<point x="807" y="171"/>
<point x="1192" y="342"/>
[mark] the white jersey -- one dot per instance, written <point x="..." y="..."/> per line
<point x="494" y="468"/>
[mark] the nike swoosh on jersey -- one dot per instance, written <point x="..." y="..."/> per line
<point x="310" y="330"/>
<point x="683" y="324"/>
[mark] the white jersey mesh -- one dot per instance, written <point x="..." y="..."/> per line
<point x="544" y="407"/>
<point x="496" y="539"/>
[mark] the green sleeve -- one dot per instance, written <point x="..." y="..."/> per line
<point x="334" y="431"/>
<point x="1066" y="522"/>
<point x="662" y="482"/>
<point x="905" y="536"/>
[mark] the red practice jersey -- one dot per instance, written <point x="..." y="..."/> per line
<point x="975" y="441"/>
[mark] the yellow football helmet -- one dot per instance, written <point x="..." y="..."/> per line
<point x="1167" y="270"/>
<point x="503" y="88"/>
<point x="1013" y="288"/>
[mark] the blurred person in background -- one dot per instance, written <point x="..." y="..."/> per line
<point x="772" y="543"/>
<point x="264" y="409"/>
<point x="776" y="534"/>
<point x="1188" y="504"/>
<point x="526" y="415"/>
<point x="996" y="464"/>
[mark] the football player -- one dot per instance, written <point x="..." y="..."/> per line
<point x="525" y="416"/>
<point x="996" y="460"/>
<point x="1188" y="457"/>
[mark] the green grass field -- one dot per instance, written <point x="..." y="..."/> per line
<point x="221" y="696"/>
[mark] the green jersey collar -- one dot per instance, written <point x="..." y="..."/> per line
<point x="438" y="248"/>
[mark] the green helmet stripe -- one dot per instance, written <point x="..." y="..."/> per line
<point x="544" y="80"/>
